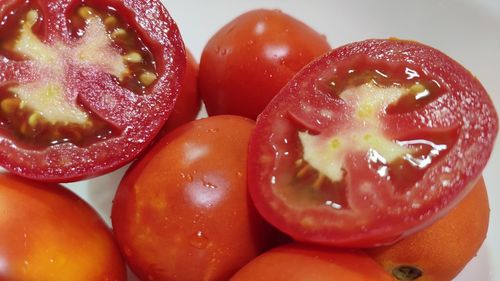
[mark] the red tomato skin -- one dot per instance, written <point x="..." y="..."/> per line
<point x="50" y="234"/>
<point x="183" y="212"/>
<point x="466" y="97"/>
<point x="301" y="262"/>
<point x="138" y="117"/>
<point x="188" y="103"/>
<point x="246" y="63"/>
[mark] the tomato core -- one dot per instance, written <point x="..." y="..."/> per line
<point x="369" y="90"/>
<point x="39" y="105"/>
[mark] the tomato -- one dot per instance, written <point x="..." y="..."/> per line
<point x="48" y="233"/>
<point x="296" y="262"/>
<point x="183" y="211"/>
<point x="85" y="85"/>
<point x="246" y="63"/>
<point x="370" y="143"/>
<point x="441" y="251"/>
<point x="188" y="102"/>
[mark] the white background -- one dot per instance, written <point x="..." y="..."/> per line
<point x="466" y="30"/>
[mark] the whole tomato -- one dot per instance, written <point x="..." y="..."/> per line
<point x="188" y="101"/>
<point x="246" y="63"/>
<point x="300" y="262"/>
<point x="441" y="251"/>
<point x="47" y="233"/>
<point x="183" y="212"/>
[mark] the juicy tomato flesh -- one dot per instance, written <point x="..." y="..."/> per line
<point x="38" y="106"/>
<point x="369" y="144"/>
<point x="401" y="159"/>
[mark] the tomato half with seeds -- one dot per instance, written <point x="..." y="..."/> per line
<point x="370" y="143"/>
<point x="85" y="85"/>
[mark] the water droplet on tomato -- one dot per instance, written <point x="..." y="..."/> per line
<point x="208" y="184"/>
<point x="186" y="177"/>
<point x="199" y="240"/>
<point x="213" y="130"/>
<point x="250" y="42"/>
<point x="223" y="52"/>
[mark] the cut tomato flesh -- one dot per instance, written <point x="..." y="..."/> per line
<point x="84" y="75"/>
<point x="364" y="147"/>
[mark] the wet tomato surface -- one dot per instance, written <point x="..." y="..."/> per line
<point x="183" y="211"/>
<point x="247" y="62"/>
<point x="85" y="85"/>
<point x="49" y="233"/>
<point x="370" y="143"/>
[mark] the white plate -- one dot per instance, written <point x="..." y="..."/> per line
<point x="468" y="31"/>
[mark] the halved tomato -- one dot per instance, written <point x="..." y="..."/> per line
<point x="84" y="85"/>
<point x="370" y="143"/>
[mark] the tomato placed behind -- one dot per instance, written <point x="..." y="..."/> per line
<point x="296" y="262"/>
<point x="183" y="211"/>
<point x="48" y="233"/>
<point x="246" y="63"/>
<point x="188" y="102"/>
<point x="369" y="144"/>
<point x="85" y="85"/>
<point x="441" y="251"/>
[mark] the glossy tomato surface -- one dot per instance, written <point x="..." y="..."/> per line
<point x="442" y="250"/>
<point x="296" y="262"/>
<point x="85" y="85"/>
<point x="183" y="211"/>
<point x="188" y="102"/>
<point x="47" y="233"/>
<point x="246" y="63"/>
<point x="370" y="143"/>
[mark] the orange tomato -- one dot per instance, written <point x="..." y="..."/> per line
<point x="441" y="251"/>
<point x="300" y="262"/>
<point x="48" y="233"/>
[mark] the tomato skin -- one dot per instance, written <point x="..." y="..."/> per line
<point x="371" y="223"/>
<point x="246" y="63"/>
<point x="188" y="102"/>
<point x="443" y="249"/>
<point x="186" y="203"/>
<point x="127" y="113"/>
<point x="300" y="262"/>
<point x="50" y="234"/>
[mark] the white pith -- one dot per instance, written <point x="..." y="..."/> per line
<point x="327" y="154"/>
<point x="49" y="97"/>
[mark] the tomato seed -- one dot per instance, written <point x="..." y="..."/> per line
<point x="133" y="57"/>
<point x="10" y="105"/>
<point x="86" y="12"/>
<point x="118" y="33"/>
<point x="147" y="78"/>
<point x="110" y="21"/>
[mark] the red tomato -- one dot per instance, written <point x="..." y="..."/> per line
<point x="188" y="102"/>
<point x="183" y="211"/>
<point x="369" y="144"/>
<point x="48" y="233"/>
<point x="246" y="63"/>
<point x="84" y="85"/>
<point x="297" y="262"/>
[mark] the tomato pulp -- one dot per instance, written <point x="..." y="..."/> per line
<point x="85" y="85"/>
<point x="370" y="143"/>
